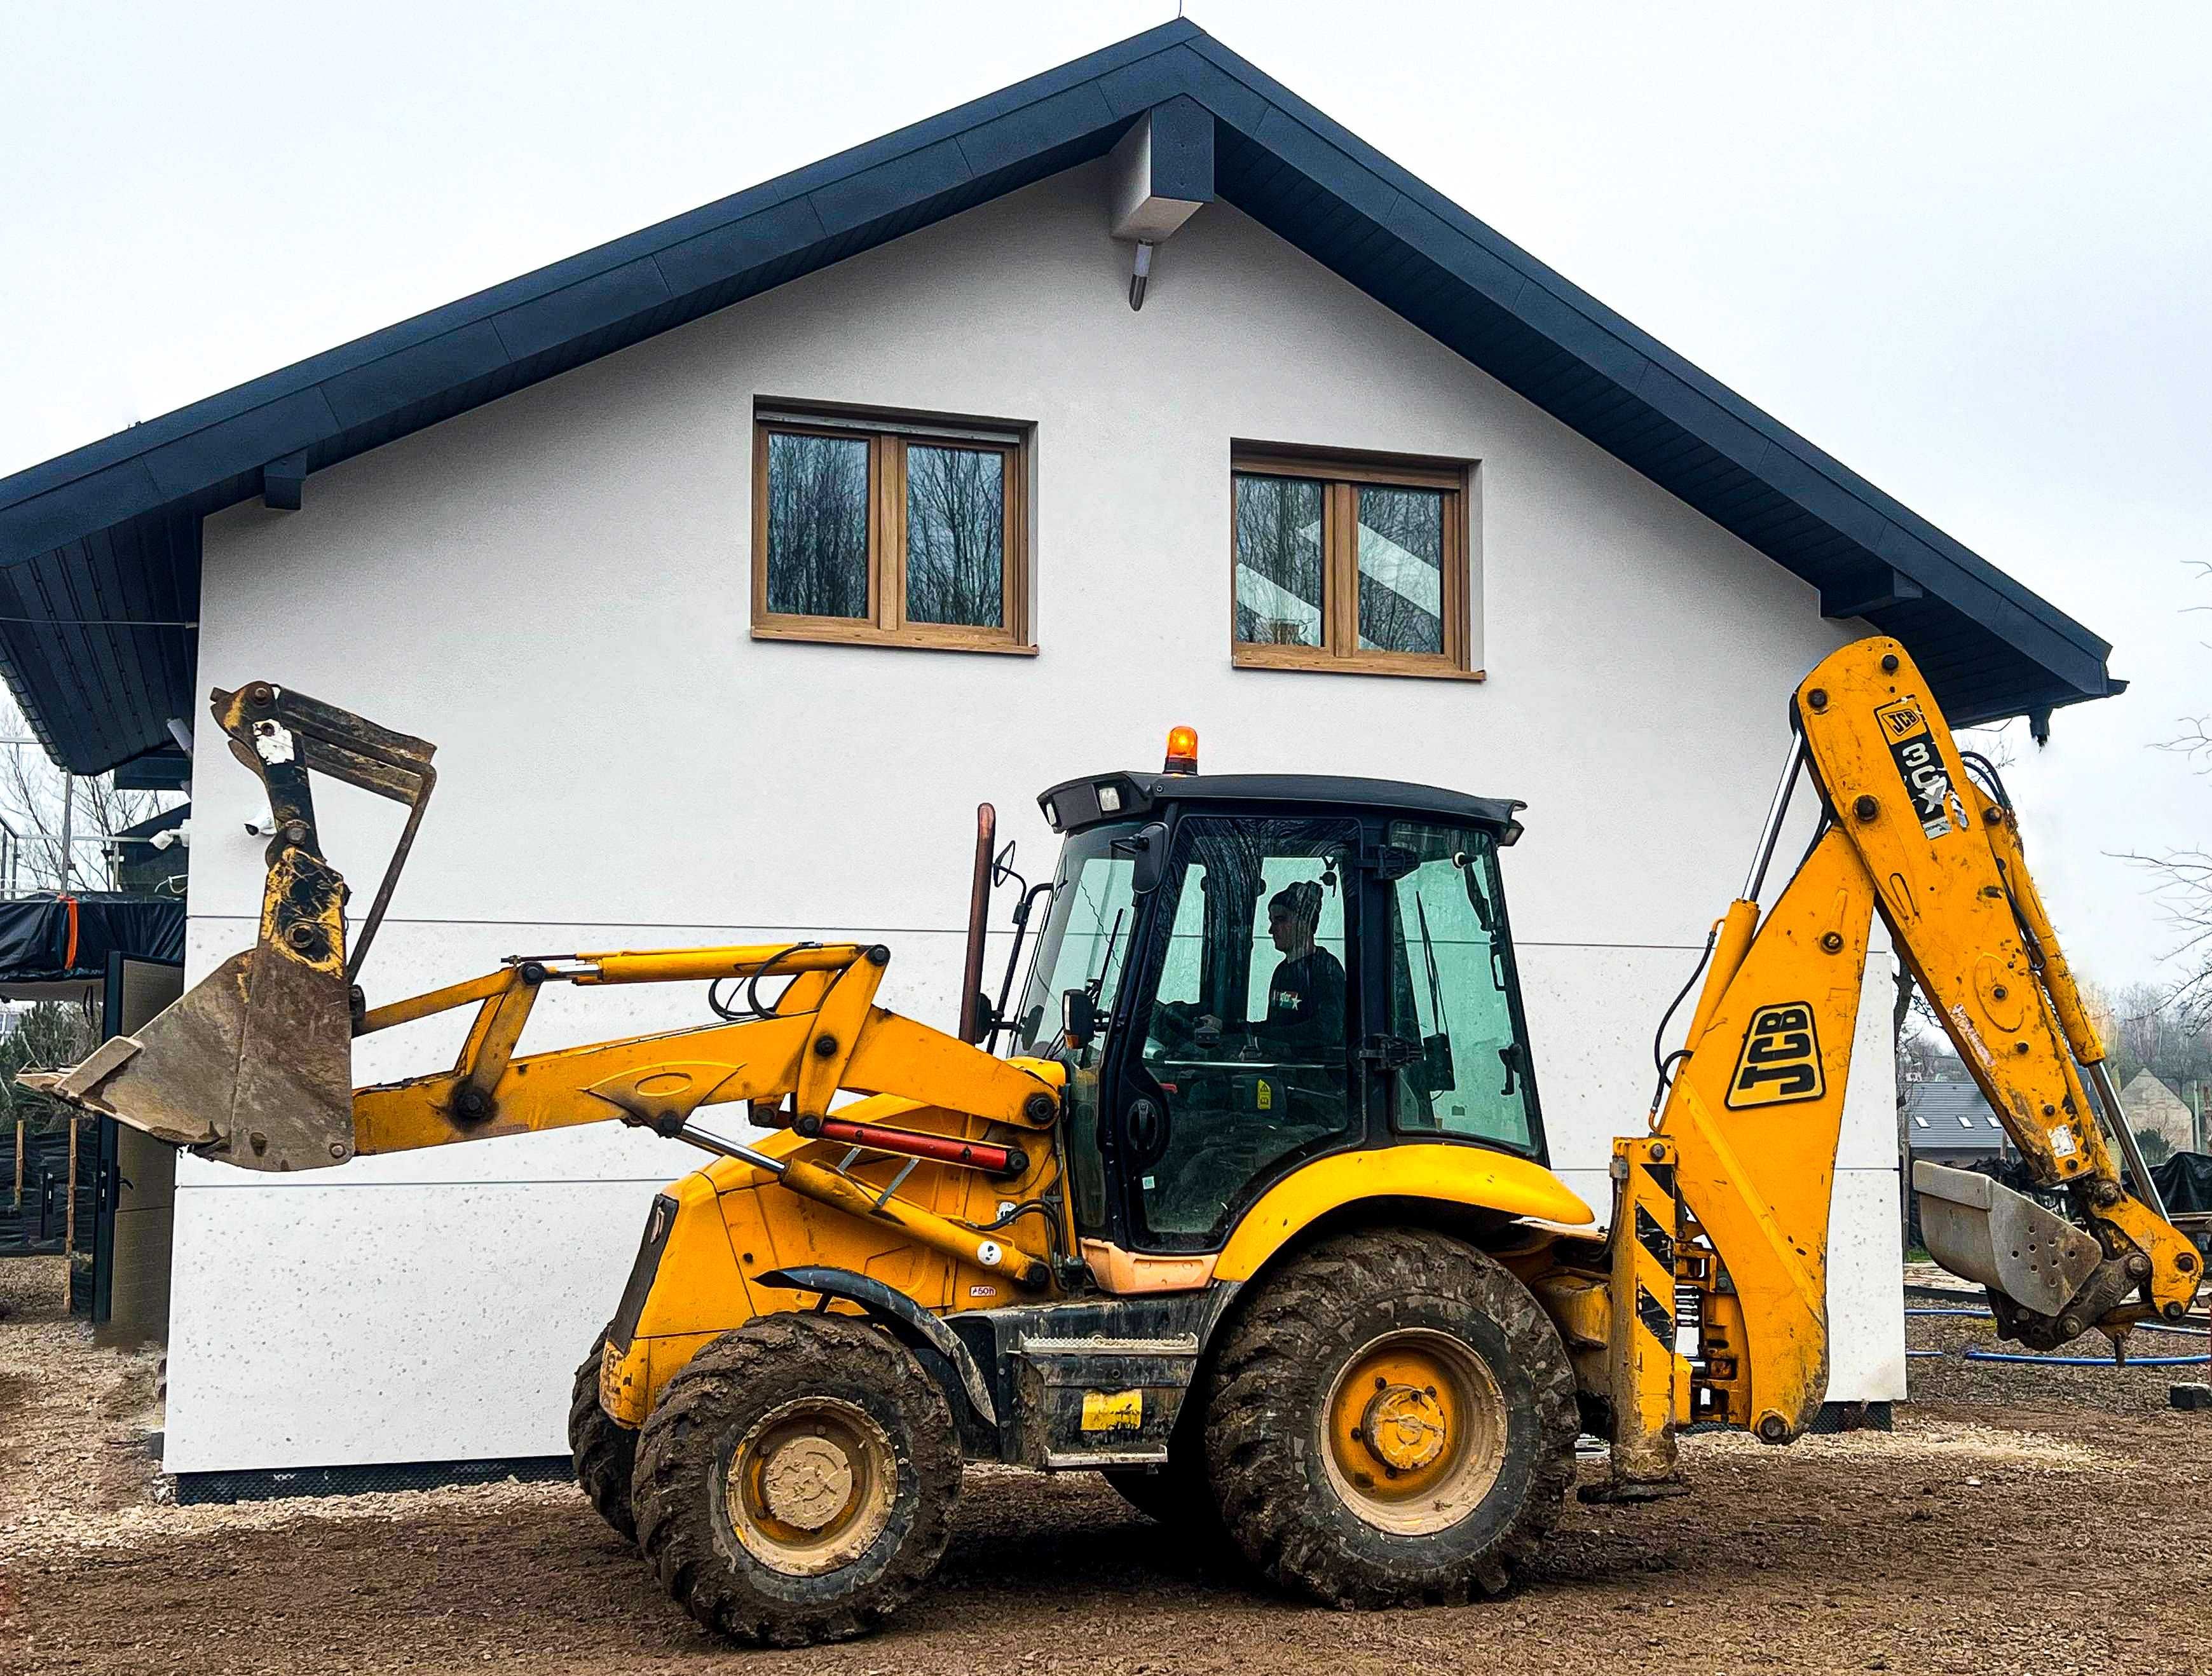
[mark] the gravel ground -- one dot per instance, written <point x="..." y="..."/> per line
<point x="1948" y="1377"/>
<point x="2009" y="1527"/>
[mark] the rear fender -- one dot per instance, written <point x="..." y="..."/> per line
<point x="1427" y="1180"/>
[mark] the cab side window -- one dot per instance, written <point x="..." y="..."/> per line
<point x="1451" y="993"/>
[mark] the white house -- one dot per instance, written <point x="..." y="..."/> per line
<point x="533" y="526"/>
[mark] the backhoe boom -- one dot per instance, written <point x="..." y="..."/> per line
<point x="1743" y="1145"/>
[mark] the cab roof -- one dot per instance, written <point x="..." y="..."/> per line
<point x="1074" y="805"/>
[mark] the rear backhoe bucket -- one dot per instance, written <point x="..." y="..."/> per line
<point x="254" y="1063"/>
<point x="1982" y="1231"/>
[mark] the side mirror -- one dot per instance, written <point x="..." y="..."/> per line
<point x="1079" y="1017"/>
<point x="1148" y="847"/>
<point x="1002" y="864"/>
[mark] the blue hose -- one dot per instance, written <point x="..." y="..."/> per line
<point x="2138" y="1327"/>
<point x="2091" y="1360"/>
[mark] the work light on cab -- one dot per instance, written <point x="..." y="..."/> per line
<point x="1183" y="751"/>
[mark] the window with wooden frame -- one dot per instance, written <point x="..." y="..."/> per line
<point x="890" y="532"/>
<point x="1350" y="562"/>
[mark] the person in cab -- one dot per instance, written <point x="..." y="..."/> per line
<point x="1305" y="997"/>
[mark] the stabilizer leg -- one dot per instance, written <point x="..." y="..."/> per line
<point x="1645" y="1371"/>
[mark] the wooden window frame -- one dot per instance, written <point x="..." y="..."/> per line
<point x="888" y="436"/>
<point x="1341" y="475"/>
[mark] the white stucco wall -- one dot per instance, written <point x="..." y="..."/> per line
<point x="555" y="589"/>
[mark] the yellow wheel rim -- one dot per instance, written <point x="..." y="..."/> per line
<point x="810" y="1486"/>
<point x="1414" y="1432"/>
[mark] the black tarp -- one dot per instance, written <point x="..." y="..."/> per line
<point x="2184" y="1182"/>
<point x="62" y="939"/>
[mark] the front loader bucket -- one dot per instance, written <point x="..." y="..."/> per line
<point x="252" y="1072"/>
<point x="253" y="1065"/>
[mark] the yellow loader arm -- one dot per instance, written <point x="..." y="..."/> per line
<point x="1729" y="1193"/>
<point x="253" y="1065"/>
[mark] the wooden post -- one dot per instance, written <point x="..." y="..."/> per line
<point x="19" y="1163"/>
<point x="69" y="1221"/>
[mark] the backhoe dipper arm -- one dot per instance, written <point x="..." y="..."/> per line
<point x="1954" y="886"/>
<point x="1740" y="1165"/>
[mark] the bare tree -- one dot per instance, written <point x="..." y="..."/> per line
<point x="818" y="525"/>
<point x="2183" y="877"/>
<point x="47" y="812"/>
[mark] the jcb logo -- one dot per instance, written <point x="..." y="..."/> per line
<point x="1900" y="720"/>
<point x="1781" y="1058"/>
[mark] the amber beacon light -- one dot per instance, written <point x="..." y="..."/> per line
<point x="1183" y="751"/>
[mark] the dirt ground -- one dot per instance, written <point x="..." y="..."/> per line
<point x="2012" y="1526"/>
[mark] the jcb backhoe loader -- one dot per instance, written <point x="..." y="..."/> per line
<point x="1257" y="1219"/>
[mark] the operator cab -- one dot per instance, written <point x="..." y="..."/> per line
<point x="1243" y="973"/>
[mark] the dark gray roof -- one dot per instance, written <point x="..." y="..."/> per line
<point x="1950" y="1117"/>
<point x="108" y="534"/>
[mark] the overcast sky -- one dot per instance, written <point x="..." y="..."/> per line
<point x="1963" y="247"/>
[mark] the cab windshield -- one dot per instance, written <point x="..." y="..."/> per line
<point x="1086" y="935"/>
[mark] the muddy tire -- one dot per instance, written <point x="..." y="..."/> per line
<point x="1393" y="1421"/>
<point x="603" y="1455"/>
<point x="796" y="1483"/>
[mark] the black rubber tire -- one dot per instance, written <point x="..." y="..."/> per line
<point x="1265" y="1439"/>
<point x="683" y="1462"/>
<point x="603" y="1455"/>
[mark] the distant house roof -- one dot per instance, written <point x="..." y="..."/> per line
<point x="2152" y="1103"/>
<point x="1951" y="1117"/>
<point x="2146" y="1088"/>
<point x="102" y="540"/>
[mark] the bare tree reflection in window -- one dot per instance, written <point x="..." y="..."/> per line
<point x="956" y="530"/>
<point x="1402" y="569"/>
<point x="1279" y="560"/>
<point x="818" y="525"/>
